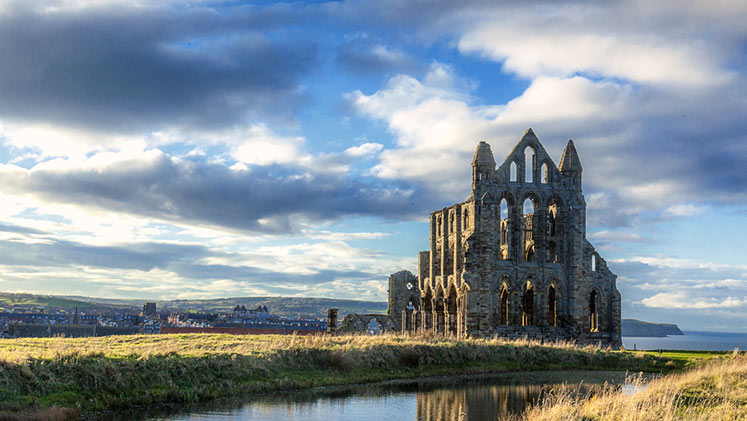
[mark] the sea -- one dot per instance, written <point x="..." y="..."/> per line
<point x="690" y="341"/>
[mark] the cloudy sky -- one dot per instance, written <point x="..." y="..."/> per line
<point x="175" y="149"/>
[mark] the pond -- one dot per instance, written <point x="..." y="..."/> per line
<point x="488" y="397"/>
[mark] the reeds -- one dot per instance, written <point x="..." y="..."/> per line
<point x="712" y="390"/>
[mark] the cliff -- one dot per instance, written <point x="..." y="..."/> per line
<point x="632" y="327"/>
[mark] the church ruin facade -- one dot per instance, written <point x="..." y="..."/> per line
<point x="513" y="259"/>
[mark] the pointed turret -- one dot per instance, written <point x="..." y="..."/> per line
<point x="483" y="165"/>
<point x="570" y="164"/>
<point x="570" y="161"/>
<point x="483" y="155"/>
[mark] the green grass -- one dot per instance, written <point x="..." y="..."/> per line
<point x="94" y="374"/>
<point x="684" y="359"/>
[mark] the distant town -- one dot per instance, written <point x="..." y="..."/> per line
<point x="43" y="321"/>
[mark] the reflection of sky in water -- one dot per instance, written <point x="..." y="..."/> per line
<point x="475" y="399"/>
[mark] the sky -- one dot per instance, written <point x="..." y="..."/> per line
<point x="200" y="149"/>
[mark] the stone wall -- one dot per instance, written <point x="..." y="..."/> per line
<point x="496" y="268"/>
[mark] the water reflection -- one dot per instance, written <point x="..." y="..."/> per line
<point x="487" y="398"/>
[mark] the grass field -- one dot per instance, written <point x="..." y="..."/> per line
<point x="712" y="389"/>
<point x="91" y="374"/>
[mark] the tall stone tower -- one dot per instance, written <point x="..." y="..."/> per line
<point x="513" y="259"/>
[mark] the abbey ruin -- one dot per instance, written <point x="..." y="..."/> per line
<point x="513" y="259"/>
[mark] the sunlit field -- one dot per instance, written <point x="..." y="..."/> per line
<point x="714" y="389"/>
<point x="119" y="371"/>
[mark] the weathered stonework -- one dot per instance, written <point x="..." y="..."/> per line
<point x="366" y="323"/>
<point x="500" y="266"/>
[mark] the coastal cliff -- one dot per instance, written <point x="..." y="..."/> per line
<point x="632" y="327"/>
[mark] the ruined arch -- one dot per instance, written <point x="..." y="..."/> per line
<point x="552" y="305"/>
<point x="504" y="294"/>
<point x="438" y="309"/>
<point x="529" y="207"/>
<point x="427" y="308"/>
<point x="595" y="305"/>
<point x="452" y="305"/>
<point x="527" y="304"/>
<point x="544" y="173"/>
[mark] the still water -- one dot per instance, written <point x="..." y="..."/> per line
<point x="691" y="341"/>
<point x="468" y="398"/>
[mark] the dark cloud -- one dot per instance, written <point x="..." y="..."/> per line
<point x="19" y="229"/>
<point x="365" y="57"/>
<point x="130" y="68"/>
<point x="146" y="256"/>
<point x="251" y="274"/>
<point x="62" y="253"/>
<point x="262" y="199"/>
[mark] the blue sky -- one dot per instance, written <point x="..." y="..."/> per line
<point x="210" y="149"/>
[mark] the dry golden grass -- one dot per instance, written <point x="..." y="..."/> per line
<point x="713" y="390"/>
<point x="197" y="345"/>
<point x="104" y="373"/>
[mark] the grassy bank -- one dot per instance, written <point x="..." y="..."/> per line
<point x="714" y="389"/>
<point x="104" y="373"/>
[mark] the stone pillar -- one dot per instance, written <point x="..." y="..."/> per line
<point x="332" y="321"/>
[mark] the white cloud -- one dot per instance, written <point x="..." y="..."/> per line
<point x="621" y="40"/>
<point x="685" y="210"/>
<point x="364" y="150"/>
<point x="47" y="140"/>
<point x="682" y="300"/>
<point x="258" y="145"/>
<point x="437" y="125"/>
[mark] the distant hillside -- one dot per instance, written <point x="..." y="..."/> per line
<point x="632" y="327"/>
<point x="280" y="306"/>
<point x="10" y="300"/>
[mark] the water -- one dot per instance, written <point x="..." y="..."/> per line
<point x="474" y="398"/>
<point x="691" y="341"/>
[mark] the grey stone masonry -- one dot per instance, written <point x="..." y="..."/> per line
<point x="513" y="259"/>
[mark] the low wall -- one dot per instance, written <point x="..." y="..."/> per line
<point x="68" y="331"/>
<point x="241" y="330"/>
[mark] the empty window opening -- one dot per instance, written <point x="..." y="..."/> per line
<point x="553" y="248"/>
<point x="527" y="311"/>
<point x="504" y="230"/>
<point x="593" y="262"/>
<point x="552" y="218"/>
<point x="374" y="327"/>
<point x="428" y="310"/>
<point x="552" y="311"/>
<point x="451" y="307"/>
<point x="466" y="220"/>
<point x="514" y="171"/>
<point x="529" y="158"/>
<point x="544" y="174"/>
<point x="452" y="225"/>
<point x="438" y="226"/>
<point x="593" y="315"/>
<point x="528" y="231"/>
<point x="439" y="310"/>
<point x="504" y="306"/>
